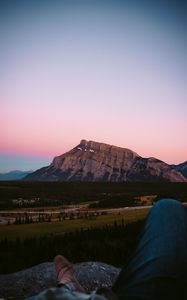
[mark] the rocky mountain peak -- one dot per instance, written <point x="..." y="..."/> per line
<point x="93" y="146"/>
<point x="94" y="161"/>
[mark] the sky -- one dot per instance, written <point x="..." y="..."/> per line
<point x="111" y="71"/>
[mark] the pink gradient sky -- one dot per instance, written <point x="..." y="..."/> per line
<point x="111" y="75"/>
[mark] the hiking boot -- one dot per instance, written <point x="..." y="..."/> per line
<point x="66" y="273"/>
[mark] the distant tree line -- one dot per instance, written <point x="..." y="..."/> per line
<point x="114" y="201"/>
<point x="61" y="193"/>
<point x="111" y="244"/>
<point x="25" y="218"/>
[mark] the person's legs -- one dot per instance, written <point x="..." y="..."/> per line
<point x="158" y="269"/>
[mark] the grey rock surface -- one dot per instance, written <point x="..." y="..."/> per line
<point x="93" y="161"/>
<point x="22" y="284"/>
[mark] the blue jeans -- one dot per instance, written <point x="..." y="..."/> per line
<point x="158" y="268"/>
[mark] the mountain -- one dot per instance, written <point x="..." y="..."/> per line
<point x="93" y="161"/>
<point x="182" y="168"/>
<point x="14" y="175"/>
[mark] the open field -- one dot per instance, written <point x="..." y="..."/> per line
<point x="22" y="231"/>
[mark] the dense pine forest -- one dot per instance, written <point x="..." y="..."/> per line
<point x="112" y="244"/>
<point x="106" y="194"/>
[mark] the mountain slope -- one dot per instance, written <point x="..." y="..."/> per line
<point x="182" y="168"/>
<point x="14" y="175"/>
<point x="93" y="161"/>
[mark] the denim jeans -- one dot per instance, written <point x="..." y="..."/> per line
<point x="158" y="268"/>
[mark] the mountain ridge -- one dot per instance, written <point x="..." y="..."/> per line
<point x="94" y="161"/>
<point x="14" y="175"/>
<point x="182" y="168"/>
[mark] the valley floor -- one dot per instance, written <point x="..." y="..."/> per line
<point x="54" y="226"/>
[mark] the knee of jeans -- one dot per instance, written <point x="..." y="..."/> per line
<point x="167" y="203"/>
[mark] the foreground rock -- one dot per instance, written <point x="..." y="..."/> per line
<point x="22" y="284"/>
<point x="93" y="161"/>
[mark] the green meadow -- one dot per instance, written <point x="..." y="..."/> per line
<point x="23" y="231"/>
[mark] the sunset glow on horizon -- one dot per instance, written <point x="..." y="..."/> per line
<point x="108" y="71"/>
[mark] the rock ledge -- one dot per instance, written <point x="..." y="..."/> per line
<point x="22" y="284"/>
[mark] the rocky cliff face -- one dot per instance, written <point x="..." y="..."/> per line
<point x="93" y="161"/>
